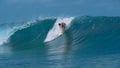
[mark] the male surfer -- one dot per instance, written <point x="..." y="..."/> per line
<point x="62" y="25"/>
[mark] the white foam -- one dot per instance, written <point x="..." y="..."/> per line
<point x="54" y="32"/>
<point x="4" y="35"/>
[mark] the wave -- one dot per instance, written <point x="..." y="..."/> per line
<point x="8" y="29"/>
<point x="86" y="34"/>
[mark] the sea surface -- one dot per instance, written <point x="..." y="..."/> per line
<point x="89" y="42"/>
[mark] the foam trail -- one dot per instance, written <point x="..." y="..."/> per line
<point x="54" y="32"/>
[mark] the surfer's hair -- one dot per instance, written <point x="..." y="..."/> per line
<point x="59" y="24"/>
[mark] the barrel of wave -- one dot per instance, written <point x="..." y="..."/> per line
<point x="56" y="30"/>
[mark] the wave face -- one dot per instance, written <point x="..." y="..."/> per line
<point x="31" y="36"/>
<point x="89" y="42"/>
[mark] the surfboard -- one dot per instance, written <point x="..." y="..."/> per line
<point x="53" y="34"/>
<point x="60" y="32"/>
<point x="56" y="31"/>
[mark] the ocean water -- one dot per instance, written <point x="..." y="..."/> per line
<point x="89" y="42"/>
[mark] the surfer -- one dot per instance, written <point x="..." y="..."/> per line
<point x="62" y="25"/>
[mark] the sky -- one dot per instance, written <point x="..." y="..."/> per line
<point x="20" y="10"/>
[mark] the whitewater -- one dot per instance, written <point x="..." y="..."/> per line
<point x="54" y="32"/>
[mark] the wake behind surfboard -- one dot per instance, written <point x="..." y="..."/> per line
<point x="56" y="31"/>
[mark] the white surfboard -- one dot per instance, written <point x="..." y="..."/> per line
<point x="60" y="32"/>
<point x="56" y="31"/>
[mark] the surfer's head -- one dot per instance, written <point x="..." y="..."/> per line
<point x="59" y="24"/>
<point x="62" y="25"/>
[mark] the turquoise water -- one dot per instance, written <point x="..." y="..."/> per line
<point x="90" y="42"/>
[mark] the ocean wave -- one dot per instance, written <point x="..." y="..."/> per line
<point x="86" y="33"/>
